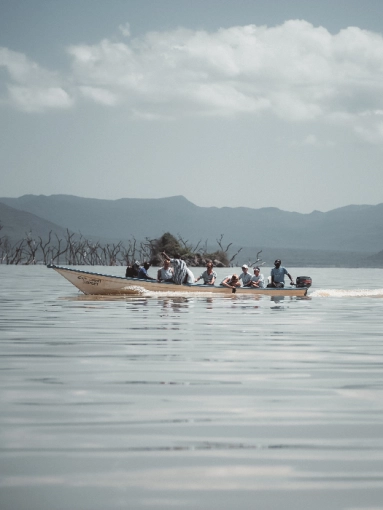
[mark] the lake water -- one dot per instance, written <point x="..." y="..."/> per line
<point x="185" y="402"/>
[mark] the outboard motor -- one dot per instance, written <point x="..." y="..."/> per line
<point x="303" y="281"/>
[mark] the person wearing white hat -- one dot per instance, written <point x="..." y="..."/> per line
<point x="245" y="276"/>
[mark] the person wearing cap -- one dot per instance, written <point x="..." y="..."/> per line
<point x="231" y="281"/>
<point x="278" y="273"/>
<point x="245" y="276"/>
<point x="257" y="280"/>
<point x="132" y="271"/>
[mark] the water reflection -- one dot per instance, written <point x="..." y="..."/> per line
<point x="175" y="303"/>
<point x="279" y="301"/>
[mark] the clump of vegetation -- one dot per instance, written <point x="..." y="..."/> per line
<point x="193" y="255"/>
<point x="171" y="245"/>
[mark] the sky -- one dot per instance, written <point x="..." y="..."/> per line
<point x="230" y="103"/>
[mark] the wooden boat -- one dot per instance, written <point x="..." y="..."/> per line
<point x="102" y="284"/>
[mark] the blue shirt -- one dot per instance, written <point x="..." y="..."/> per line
<point x="279" y="274"/>
<point x="143" y="274"/>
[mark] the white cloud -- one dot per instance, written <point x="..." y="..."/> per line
<point x="23" y="70"/>
<point x="35" y="99"/>
<point x="99" y="95"/>
<point x="372" y="133"/>
<point x="125" y="29"/>
<point x="311" y="140"/>
<point x="32" y="88"/>
<point x="294" y="71"/>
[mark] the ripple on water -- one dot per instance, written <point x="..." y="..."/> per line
<point x="190" y="401"/>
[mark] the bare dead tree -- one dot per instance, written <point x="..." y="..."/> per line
<point x="57" y="251"/>
<point x="126" y="255"/>
<point x="111" y="252"/>
<point x="146" y="249"/>
<point x="195" y="249"/>
<point x="184" y="243"/>
<point x="80" y="252"/>
<point x="129" y="253"/>
<point x="70" y="248"/>
<point x="92" y="253"/>
<point x="2" y="241"/>
<point x="226" y="250"/>
<point x="45" y="246"/>
<point x="15" y="254"/>
<point x="219" y="242"/>
<point x="4" y="245"/>
<point x="258" y="262"/>
<point x="31" y="249"/>
<point x="234" y="256"/>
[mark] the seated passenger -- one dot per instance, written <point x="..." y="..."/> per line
<point x="165" y="273"/>
<point x="231" y="281"/>
<point x="143" y="272"/>
<point x="245" y="276"/>
<point x="132" y="271"/>
<point x="257" y="280"/>
<point x="209" y="275"/>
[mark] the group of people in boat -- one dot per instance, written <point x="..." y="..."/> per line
<point x="248" y="280"/>
<point x="257" y="280"/>
<point x="175" y="270"/>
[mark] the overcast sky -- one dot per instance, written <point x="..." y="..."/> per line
<point x="256" y="103"/>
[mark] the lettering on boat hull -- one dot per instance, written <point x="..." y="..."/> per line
<point x="89" y="281"/>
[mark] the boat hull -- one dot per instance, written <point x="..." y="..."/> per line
<point x="100" y="284"/>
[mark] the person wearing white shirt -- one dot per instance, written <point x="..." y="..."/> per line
<point x="165" y="273"/>
<point x="257" y="280"/>
<point x="245" y="276"/>
<point x="209" y="276"/>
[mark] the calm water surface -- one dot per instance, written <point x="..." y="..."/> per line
<point x="161" y="402"/>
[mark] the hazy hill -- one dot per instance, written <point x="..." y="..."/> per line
<point x="18" y="224"/>
<point x="375" y="260"/>
<point x="352" y="228"/>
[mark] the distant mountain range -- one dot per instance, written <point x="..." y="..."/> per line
<point x="352" y="232"/>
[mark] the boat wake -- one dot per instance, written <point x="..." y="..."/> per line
<point x="376" y="293"/>
<point x="137" y="293"/>
<point x="152" y="293"/>
<point x="133" y="289"/>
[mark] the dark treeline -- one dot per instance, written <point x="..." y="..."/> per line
<point x="77" y="250"/>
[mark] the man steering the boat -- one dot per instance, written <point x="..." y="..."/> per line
<point x="278" y="275"/>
